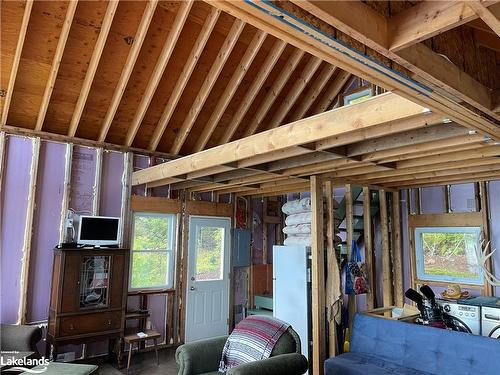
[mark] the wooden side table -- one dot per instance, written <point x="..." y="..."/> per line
<point x="133" y="338"/>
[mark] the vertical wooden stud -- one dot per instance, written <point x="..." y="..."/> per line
<point x="349" y="219"/>
<point x="333" y="280"/>
<point x="386" y="256"/>
<point x="318" y="276"/>
<point x="28" y="232"/>
<point x="265" y="228"/>
<point x="66" y="190"/>
<point x="2" y="157"/>
<point x="128" y="158"/>
<point x="483" y="197"/>
<point x="96" y="199"/>
<point x="397" y="263"/>
<point x="368" y="239"/>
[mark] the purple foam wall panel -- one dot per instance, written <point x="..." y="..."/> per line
<point x="462" y="198"/>
<point x="432" y="200"/>
<point x="111" y="184"/>
<point x="47" y="216"/>
<point x="82" y="179"/>
<point x="140" y="162"/>
<point x="15" y="187"/>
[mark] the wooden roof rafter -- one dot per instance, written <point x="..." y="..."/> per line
<point x="175" y="96"/>
<point x="49" y="87"/>
<point x="160" y="67"/>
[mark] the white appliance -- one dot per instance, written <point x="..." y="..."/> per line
<point x="291" y="296"/>
<point x="490" y="321"/>
<point x="98" y="230"/>
<point x="468" y="318"/>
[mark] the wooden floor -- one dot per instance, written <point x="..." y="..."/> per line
<point x="145" y="363"/>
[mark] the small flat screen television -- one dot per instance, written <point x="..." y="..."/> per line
<point x="98" y="230"/>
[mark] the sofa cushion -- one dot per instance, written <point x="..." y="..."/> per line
<point x="423" y="348"/>
<point x="58" y="368"/>
<point x="356" y="364"/>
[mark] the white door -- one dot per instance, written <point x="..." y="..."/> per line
<point x="207" y="307"/>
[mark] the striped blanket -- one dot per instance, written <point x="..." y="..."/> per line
<point x="252" y="339"/>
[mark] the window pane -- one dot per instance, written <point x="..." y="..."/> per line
<point x="209" y="253"/>
<point x="448" y="255"/>
<point x="151" y="232"/>
<point x="149" y="269"/>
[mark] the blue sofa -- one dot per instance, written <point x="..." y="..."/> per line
<point x="380" y="346"/>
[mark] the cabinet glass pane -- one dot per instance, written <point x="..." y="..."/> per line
<point x="94" y="281"/>
<point x="209" y="253"/>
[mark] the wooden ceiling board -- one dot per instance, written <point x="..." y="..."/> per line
<point x="218" y="89"/>
<point x="36" y="60"/>
<point x="74" y="64"/>
<point x="11" y="16"/>
<point x="168" y="81"/>
<point x="156" y="37"/>
<point x="195" y="82"/>
<point x="125" y="24"/>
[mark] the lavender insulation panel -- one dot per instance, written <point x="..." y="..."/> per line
<point x="82" y="179"/>
<point x="140" y="162"/>
<point x="16" y="179"/>
<point x="462" y="198"/>
<point x="432" y="200"/>
<point x="111" y="184"/>
<point x="47" y="216"/>
<point x="494" y="205"/>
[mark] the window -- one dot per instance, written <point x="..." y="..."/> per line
<point x="209" y="254"/>
<point x="357" y="97"/>
<point x="153" y="241"/>
<point x="448" y="254"/>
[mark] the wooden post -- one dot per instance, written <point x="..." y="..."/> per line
<point x="2" y="158"/>
<point x="483" y="197"/>
<point x="66" y="190"/>
<point x="128" y="159"/>
<point x="368" y="239"/>
<point x="265" y="228"/>
<point x="397" y="263"/>
<point x="349" y="220"/>
<point x="96" y="199"/>
<point x="318" y="276"/>
<point x="386" y="255"/>
<point x="28" y="232"/>
<point x="333" y="289"/>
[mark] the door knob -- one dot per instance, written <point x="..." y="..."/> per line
<point x="192" y="288"/>
<point x="193" y="278"/>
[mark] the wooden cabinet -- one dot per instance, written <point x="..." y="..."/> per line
<point x="88" y="297"/>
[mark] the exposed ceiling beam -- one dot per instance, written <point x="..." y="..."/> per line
<point x="314" y="91"/>
<point x="224" y="52"/>
<point x="232" y="86"/>
<point x="93" y="64"/>
<point x="274" y="91"/>
<point x="268" y="65"/>
<point x="453" y="179"/>
<point x="17" y="58"/>
<point x="427" y="19"/>
<point x="418" y="58"/>
<point x="183" y="79"/>
<point x="295" y="92"/>
<point x="491" y="19"/>
<point x="156" y="75"/>
<point x="332" y="92"/>
<point x="139" y="37"/>
<point x="372" y="112"/>
<point x="56" y="62"/>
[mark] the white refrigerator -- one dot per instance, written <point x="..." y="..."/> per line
<point x="291" y="290"/>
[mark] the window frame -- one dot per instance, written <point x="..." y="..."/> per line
<point x="419" y="256"/>
<point x="358" y="93"/>
<point x="172" y="235"/>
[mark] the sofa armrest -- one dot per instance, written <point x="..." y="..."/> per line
<point x="201" y="356"/>
<point x="283" y="364"/>
<point x="20" y="338"/>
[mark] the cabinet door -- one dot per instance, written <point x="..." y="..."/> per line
<point x="119" y="279"/>
<point x="70" y="282"/>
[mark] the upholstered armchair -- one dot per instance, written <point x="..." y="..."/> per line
<point x="202" y="357"/>
<point x="20" y="338"/>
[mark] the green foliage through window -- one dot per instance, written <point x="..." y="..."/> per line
<point x="152" y="251"/>
<point x="209" y="253"/>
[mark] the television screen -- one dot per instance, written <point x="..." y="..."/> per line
<point x="98" y="229"/>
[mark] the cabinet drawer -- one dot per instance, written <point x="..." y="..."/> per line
<point x="89" y="323"/>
